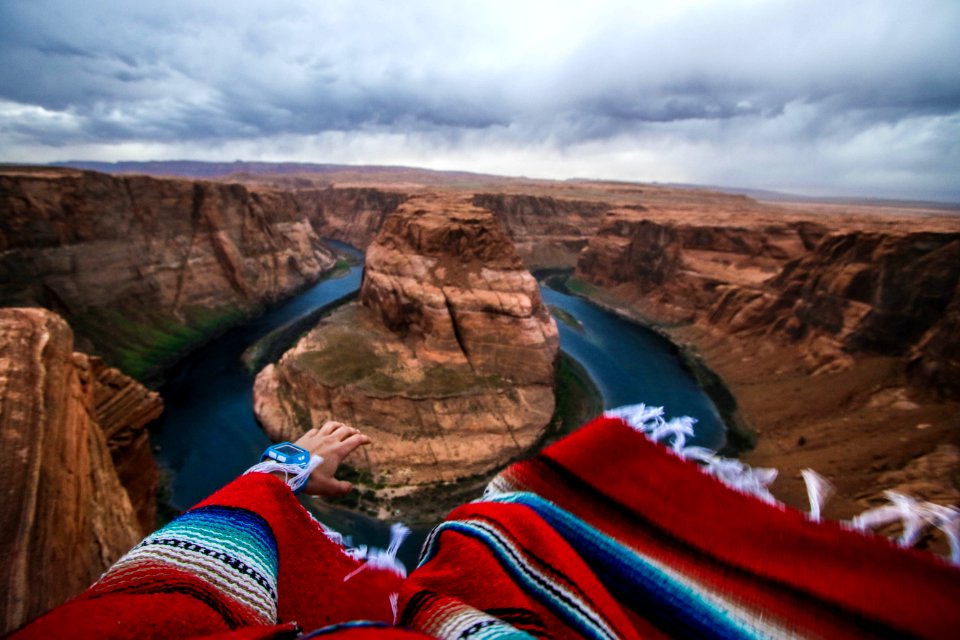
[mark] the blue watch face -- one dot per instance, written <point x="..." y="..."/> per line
<point x="288" y="449"/>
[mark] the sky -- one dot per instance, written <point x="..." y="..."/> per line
<point x="838" y="97"/>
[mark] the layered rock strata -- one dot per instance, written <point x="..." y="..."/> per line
<point x="835" y="294"/>
<point x="144" y="268"/>
<point x="67" y="513"/>
<point x="840" y="343"/>
<point x="548" y="232"/>
<point x="447" y="361"/>
<point x="352" y="215"/>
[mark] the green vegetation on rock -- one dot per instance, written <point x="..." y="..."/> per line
<point x="566" y="318"/>
<point x="142" y="343"/>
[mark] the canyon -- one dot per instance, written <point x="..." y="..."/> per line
<point x="834" y="333"/>
<point x="447" y="360"/>
<point x="828" y="332"/>
<point x="143" y="269"/>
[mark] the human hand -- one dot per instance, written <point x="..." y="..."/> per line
<point x="333" y="442"/>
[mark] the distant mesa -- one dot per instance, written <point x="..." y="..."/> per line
<point x="447" y="361"/>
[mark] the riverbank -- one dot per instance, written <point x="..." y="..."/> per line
<point x="270" y="347"/>
<point x="740" y="436"/>
<point x="578" y="400"/>
<point x="860" y="427"/>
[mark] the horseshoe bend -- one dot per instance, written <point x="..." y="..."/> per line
<point x="828" y="333"/>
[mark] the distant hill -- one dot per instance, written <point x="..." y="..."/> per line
<point x="243" y="171"/>
<point x="199" y="169"/>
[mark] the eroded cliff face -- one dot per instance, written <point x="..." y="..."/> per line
<point x="836" y="294"/>
<point x="839" y="343"/>
<point x="352" y="215"/>
<point x="681" y="271"/>
<point x="447" y="362"/>
<point x="144" y="268"/>
<point x="548" y="232"/>
<point x="67" y="513"/>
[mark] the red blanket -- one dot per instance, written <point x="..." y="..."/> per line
<point x="604" y="534"/>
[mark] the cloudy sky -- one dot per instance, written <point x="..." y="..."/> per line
<point x="838" y="97"/>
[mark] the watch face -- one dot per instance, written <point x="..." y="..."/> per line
<point x="287" y="449"/>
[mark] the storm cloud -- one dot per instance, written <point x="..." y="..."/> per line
<point x="852" y="98"/>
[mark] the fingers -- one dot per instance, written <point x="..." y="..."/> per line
<point x="351" y="443"/>
<point x="339" y="487"/>
<point x="329" y="427"/>
<point x="336" y="429"/>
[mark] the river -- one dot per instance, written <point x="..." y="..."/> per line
<point x="208" y="433"/>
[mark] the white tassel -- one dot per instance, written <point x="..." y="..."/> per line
<point x="947" y="519"/>
<point x="819" y="490"/>
<point x="398" y="533"/>
<point x="394" y="605"/>
<point x="294" y="475"/>
<point x="697" y="454"/>
<point x="913" y="517"/>
<point x="876" y="517"/>
<point x="638" y="416"/>
<point x="679" y="428"/>
<point x="380" y="558"/>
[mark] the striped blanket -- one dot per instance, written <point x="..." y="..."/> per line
<point x="605" y="534"/>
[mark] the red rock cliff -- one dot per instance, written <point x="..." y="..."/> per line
<point x="447" y="362"/>
<point x="548" y="232"/>
<point x="142" y="267"/>
<point x="838" y="335"/>
<point x="67" y="516"/>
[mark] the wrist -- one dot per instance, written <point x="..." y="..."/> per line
<point x="288" y="462"/>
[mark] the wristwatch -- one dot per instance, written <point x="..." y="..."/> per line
<point x="287" y="453"/>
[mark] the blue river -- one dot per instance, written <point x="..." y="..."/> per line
<point x="208" y="434"/>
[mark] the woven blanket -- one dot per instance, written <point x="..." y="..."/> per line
<point x="605" y="534"/>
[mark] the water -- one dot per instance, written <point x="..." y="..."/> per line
<point x="208" y="434"/>
<point x="631" y="364"/>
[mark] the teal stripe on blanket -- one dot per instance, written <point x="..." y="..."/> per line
<point x="561" y="601"/>
<point x="673" y="604"/>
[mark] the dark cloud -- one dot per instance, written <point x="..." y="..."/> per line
<point x="786" y="82"/>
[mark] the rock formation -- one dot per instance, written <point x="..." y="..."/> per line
<point x="548" y="232"/>
<point x="818" y="324"/>
<point x="837" y="293"/>
<point x="447" y="361"/>
<point x="351" y="214"/>
<point x="67" y="516"/>
<point x="143" y="268"/>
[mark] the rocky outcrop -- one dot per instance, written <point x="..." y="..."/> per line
<point x="840" y="343"/>
<point x="352" y="215"/>
<point x="548" y="232"/>
<point x="67" y="514"/>
<point x="447" y="361"/>
<point x="122" y="408"/>
<point x="834" y="294"/>
<point x="682" y="272"/>
<point x="144" y="268"/>
<point x="872" y="293"/>
<point x="935" y="359"/>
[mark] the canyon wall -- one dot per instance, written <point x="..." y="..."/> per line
<point x="447" y="361"/>
<point x="834" y="294"/>
<point x="548" y="232"/>
<point x="352" y="215"/>
<point x="68" y="515"/>
<point x="144" y="268"/>
<point x="837" y="336"/>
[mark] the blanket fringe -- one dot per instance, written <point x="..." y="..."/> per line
<point x="375" y="558"/>
<point x="914" y="516"/>
<point x="294" y="475"/>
